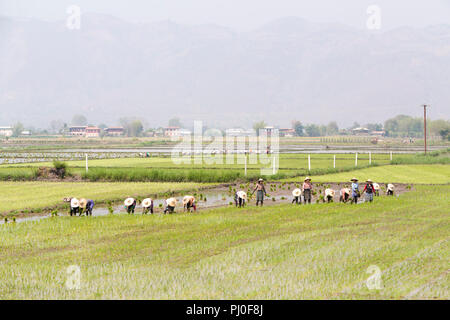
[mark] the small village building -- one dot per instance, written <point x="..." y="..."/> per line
<point x="171" y="131"/>
<point x="77" y="131"/>
<point x="361" y="131"/>
<point x="380" y="133"/>
<point x="115" y="131"/>
<point x="287" y="132"/>
<point x="6" y="131"/>
<point x="92" y="132"/>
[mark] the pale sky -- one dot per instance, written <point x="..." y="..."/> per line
<point x="242" y="15"/>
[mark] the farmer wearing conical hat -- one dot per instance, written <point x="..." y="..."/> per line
<point x="307" y="190"/>
<point x="239" y="198"/>
<point x="147" y="206"/>
<point x="390" y="189"/>
<point x="89" y="207"/>
<point x="369" y="190"/>
<point x="297" y="194"/>
<point x="74" y="206"/>
<point x="188" y="203"/>
<point x="355" y="190"/>
<point x="130" y="205"/>
<point x="170" y="205"/>
<point x="329" y="195"/>
<point x="260" y="192"/>
<point x="344" y="195"/>
<point x="376" y="188"/>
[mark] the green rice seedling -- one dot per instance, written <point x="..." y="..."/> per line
<point x="110" y="209"/>
<point x="273" y="199"/>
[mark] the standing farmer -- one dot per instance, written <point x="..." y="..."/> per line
<point x="355" y="190"/>
<point x="307" y="190"/>
<point x="260" y="192"/>
<point x="297" y="193"/>
<point x="369" y="190"/>
<point x="130" y="205"/>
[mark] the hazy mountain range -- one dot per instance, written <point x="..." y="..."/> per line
<point x="287" y="69"/>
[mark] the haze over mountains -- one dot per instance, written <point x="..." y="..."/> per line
<point x="287" y="69"/>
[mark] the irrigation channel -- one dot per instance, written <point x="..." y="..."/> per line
<point x="278" y="193"/>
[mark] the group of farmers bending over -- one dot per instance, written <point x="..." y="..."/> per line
<point x="346" y="194"/>
<point x="85" y="206"/>
<point x="352" y="194"/>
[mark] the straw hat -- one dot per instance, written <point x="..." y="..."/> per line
<point x="390" y="187"/>
<point x="171" y="202"/>
<point x="297" y="192"/>
<point x="74" y="203"/>
<point x="242" y="195"/>
<point x="147" y="202"/>
<point x="307" y="178"/>
<point x="260" y="180"/>
<point x="128" y="202"/>
<point x="186" y="199"/>
<point x="329" y="192"/>
<point x="370" y="181"/>
<point x="83" y="203"/>
<point x="353" y="179"/>
<point x="376" y="186"/>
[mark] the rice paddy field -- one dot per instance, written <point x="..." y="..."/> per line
<point x="394" y="248"/>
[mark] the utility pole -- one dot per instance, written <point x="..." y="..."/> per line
<point x="425" y="126"/>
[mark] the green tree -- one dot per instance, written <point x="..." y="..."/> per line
<point x="79" y="120"/>
<point x="312" y="130"/>
<point x="332" y="128"/>
<point x="259" y="125"/>
<point x="175" y="122"/>
<point x="298" y="127"/>
<point x="17" y="129"/>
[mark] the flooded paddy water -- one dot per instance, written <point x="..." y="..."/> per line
<point x="223" y="196"/>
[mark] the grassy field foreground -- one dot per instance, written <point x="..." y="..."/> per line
<point x="278" y="252"/>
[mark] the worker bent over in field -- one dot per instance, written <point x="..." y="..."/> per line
<point x="130" y="205"/>
<point x="355" y="190"/>
<point x="376" y="188"/>
<point x="369" y="190"/>
<point x="390" y="189"/>
<point x="170" y="205"/>
<point x="297" y="194"/>
<point x="147" y="206"/>
<point x="74" y="206"/>
<point x="329" y="195"/>
<point x="344" y="195"/>
<point x="239" y="198"/>
<point x="307" y="190"/>
<point x="89" y="207"/>
<point x="188" y="203"/>
<point x="260" y="192"/>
